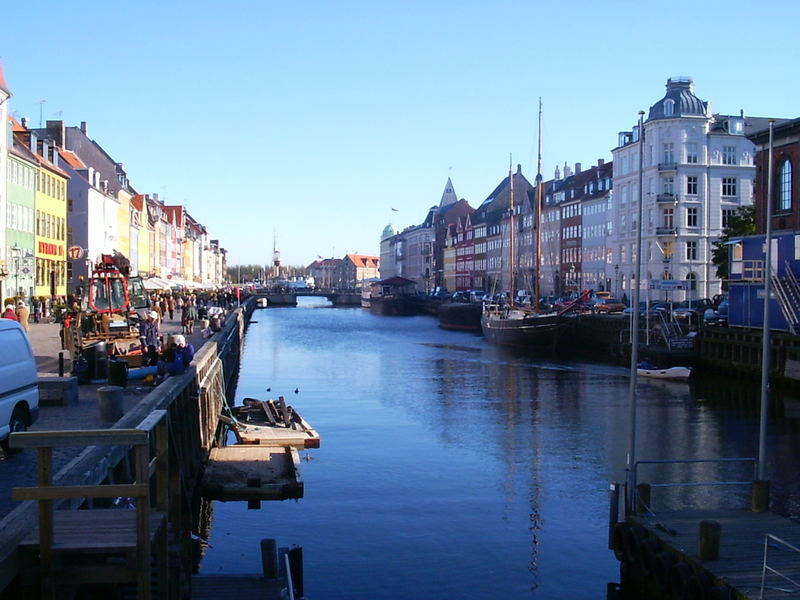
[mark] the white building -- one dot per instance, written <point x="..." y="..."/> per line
<point x="697" y="170"/>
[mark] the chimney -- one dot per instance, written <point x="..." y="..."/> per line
<point x="55" y="130"/>
<point x="600" y="162"/>
<point x="577" y="168"/>
<point x="24" y="122"/>
<point x="557" y="174"/>
<point x="84" y="129"/>
<point x="567" y="171"/>
<point x="519" y="169"/>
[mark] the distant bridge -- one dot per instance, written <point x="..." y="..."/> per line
<point x="288" y="296"/>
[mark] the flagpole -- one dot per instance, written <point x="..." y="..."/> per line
<point x="765" y="345"/>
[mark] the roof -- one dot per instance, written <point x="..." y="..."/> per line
<point x="363" y="261"/>
<point x="757" y="128"/>
<point x="397" y="281"/>
<point x="680" y="94"/>
<point x="449" y="195"/>
<point x="69" y="157"/>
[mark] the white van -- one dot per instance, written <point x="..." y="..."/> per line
<point x="19" y="390"/>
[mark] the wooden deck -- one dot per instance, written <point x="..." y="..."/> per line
<point x="252" y="472"/>
<point x="741" y="550"/>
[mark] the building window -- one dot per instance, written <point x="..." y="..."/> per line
<point x="691" y="152"/>
<point x="691" y="282"/>
<point x="669" y="153"/>
<point x="729" y="155"/>
<point x="669" y="217"/>
<point x="691" y="250"/>
<point x="785" y="186"/>
<point x="669" y="107"/>
<point x="669" y="185"/>
<point x="728" y="186"/>
<point x="691" y="185"/>
<point x="727" y="214"/>
<point x="691" y="216"/>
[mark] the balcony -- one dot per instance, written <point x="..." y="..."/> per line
<point x="667" y="197"/>
<point x="667" y="166"/>
<point x="666" y="231"/>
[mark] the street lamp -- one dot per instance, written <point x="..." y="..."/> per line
<point x="572" y="274"/>
<point x="616" y="280"/>
<point x="16" y="251"/>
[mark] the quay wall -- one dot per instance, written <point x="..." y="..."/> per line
<point x="193" y="401"/>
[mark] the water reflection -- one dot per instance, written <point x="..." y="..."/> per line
<point x="454" y="469"/>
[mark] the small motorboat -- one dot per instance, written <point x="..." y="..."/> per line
<point x="672" y="373"/>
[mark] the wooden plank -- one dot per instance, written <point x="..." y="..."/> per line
<point x="80" y="491"/>
<point x="68" y="439"/>
<point x="150" y="421"/>
<point x="219" y="587"/>
<point x="112" y="530"/>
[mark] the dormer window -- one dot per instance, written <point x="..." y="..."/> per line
<point x="669" y="107"/>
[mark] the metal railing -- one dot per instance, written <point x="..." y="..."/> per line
<point x="766" y="568"/>
<point x="695" y="461"/>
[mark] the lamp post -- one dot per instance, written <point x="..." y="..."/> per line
<point x="616" y="280"/>
<point x="666" y="275"/>
<point x="572" y="274"/>
<point x="16" y="251"/>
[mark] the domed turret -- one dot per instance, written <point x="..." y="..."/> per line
<point x="679" y="101"/>
<point x="389" y="231"/>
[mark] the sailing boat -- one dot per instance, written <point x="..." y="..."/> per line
<point x="512" y="324"/>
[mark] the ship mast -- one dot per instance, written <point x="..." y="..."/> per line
<point x="538" y="218"/>
<point x="511" y="262"/>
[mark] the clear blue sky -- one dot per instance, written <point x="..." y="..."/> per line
<point x="315" y="119"/>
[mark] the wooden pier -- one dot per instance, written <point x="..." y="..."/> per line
<point x="117" y="463"/>
<point x="719" y="554"/>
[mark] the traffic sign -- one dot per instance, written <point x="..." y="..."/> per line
<point x="75" y="252"/>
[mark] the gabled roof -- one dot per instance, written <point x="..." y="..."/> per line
<point x="69" y="157"/>
<point x="363" y="261"/>
<point x="448" y="195"/>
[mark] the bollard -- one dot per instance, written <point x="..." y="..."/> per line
<point x="708" y="546"/>
<point x="110" y="400"/>
<point x="760" y="498"/>
<point x="60" y="364"/>
<point x="642" y="498"/>
<point x="269" y="558"/>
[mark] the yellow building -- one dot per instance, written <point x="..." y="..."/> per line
<point x="140" y="236"/>
<point x="51" y="224"/>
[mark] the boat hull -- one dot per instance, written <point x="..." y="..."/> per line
<point x="531" y="331"/>
<point x="392" y="306"/>
<point x="672" y="374"/>
<point x="460" y="316"/>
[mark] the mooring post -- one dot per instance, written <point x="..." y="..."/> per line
<point x="760" y="499"/>
<point x="613" y="512"/>
<point x="269" y="558"/>
<point x="642" y="498"/>
<point x="709" y="540"/>
<point x="60" y="364"/>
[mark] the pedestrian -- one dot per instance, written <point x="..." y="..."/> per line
<point x="149" y="338"/>
<point x="37" y="310"/>
<point x="190" y="315"/>
<point x="23" y="314"/>
<point x="9" y="313"/>
<point x="171" y="307"/>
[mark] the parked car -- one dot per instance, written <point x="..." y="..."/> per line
<point x="608" y="305"/>
<point x="19" y="388"/>
<point x="691" y="311"/>
<point x="719" y="317"/>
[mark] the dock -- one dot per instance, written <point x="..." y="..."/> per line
<point x="253" y="472"/>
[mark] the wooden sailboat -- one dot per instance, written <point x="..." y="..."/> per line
<point x="511" y="324"/>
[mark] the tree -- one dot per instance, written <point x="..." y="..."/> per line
<point x="741" y="223"/>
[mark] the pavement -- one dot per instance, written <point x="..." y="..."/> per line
<point x="20" y="469"/>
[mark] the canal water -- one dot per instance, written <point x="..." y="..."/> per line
<point x="453" y="469"/>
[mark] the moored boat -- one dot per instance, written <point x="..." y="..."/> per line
<point x="460" y="316"/>
<point x="672" y="373"/>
